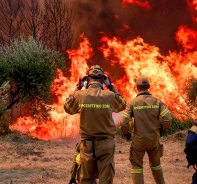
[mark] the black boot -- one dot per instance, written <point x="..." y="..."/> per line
<point x="72" y="181"/>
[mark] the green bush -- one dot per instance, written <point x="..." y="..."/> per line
<point x="191" y="89"/>
<point x="178" y="125"/>
<point x="30" y="68"/>
<point x="4" y="112"/>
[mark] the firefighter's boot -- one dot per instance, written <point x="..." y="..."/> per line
<point x="94" y="181"/>
<point x="138" y="178"/>
<point x="158" y="176"/>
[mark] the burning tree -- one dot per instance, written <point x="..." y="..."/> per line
<point x="33" y="19"/>
<point x="11" y="20"/>
<point x="30" y="69"/>
<point x="57" y="23"/>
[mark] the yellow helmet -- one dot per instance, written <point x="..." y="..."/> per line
<point x="95" y="72"/>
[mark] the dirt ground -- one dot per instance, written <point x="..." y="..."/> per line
<point x="25" y="160"/>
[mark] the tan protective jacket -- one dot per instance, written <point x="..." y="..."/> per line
<point x="147" y="112"/>
<point x="95" y="106"/>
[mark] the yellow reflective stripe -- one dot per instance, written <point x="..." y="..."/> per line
<point x="126" y="115"/>
<point x="164" y="112"/>
<point x="94" y="106"/>
<point x="156" y="167"/>
<point x="77" y="159"/>
<point x="136" y="171"/>
<point x="120" y="106"/>
<point x="194" y="129"/>
<point x="145" y="107"/>
<point x="69" y="108"/>
<point x="76" y="153"/>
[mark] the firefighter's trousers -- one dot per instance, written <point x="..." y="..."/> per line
<point x="75" y="161"/>
<point x="194" y="178"/>
<point x="97" y="158"/>
<point x="136" y="158"/>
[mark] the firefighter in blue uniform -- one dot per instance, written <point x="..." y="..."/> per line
<point x="191" y="150"/>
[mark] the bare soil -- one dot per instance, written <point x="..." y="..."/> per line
<point x="26" y="160"/>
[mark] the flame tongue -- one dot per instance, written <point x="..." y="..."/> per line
<point x="168" y="76"/>
<point x="144" y="4"/>
<point x="61" y="124"/>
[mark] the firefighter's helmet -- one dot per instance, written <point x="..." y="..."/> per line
<point x="142" y="81"/>
<point x="95" y="72"/>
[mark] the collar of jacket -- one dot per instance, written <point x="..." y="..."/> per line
<point x="95" y="84"/>
<point x="143" y="93"/>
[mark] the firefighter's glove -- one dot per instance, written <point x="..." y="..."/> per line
<point x="72" y="181"/>
<point x="82" y="82"/>
<point x="107" y="81"/>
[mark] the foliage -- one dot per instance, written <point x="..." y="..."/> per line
<point x="4" y="112"/>
<point x="47" y="20"/>
<point x="57" y="25"/>
<point x="178" y="125"/>
<point x="31" y="68"/>
<point x="192" y="90"/>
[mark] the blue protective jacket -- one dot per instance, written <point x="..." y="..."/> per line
<point x="191" y="146"/>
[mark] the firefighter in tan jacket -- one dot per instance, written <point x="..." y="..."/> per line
<point x="97" y="127"/>
<point x="150" y="116"/>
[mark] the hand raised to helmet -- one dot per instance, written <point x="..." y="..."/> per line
<point x="109" y="84"/>
<point x="81" y="81"/>
<point x="107" y="81"/>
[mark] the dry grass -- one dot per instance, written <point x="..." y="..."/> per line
<point x="25" y="160"/>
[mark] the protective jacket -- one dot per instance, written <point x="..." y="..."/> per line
<point x="191" y="149"/>
<point x="95" y="106"/>
<point x="146" y="110"/>
<point x="191" y="146"/>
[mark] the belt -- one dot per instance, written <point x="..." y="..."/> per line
<point x="98" y="139"/>
<point x="93" y="139"/>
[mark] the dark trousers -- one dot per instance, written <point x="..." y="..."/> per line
<point x="194" y="178"/>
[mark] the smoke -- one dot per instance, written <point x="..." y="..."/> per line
<point x="156" y="25"/>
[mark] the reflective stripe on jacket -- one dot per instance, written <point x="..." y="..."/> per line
<point x="95" y="106"/>
<point x="146" y="111"/>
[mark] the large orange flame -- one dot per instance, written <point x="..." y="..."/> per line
<point x="168" y="75"/>
<point x="61" y="124"/>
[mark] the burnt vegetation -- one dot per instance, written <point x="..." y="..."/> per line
<point x="48" y="21"/>
<point x="34" y="37"/>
